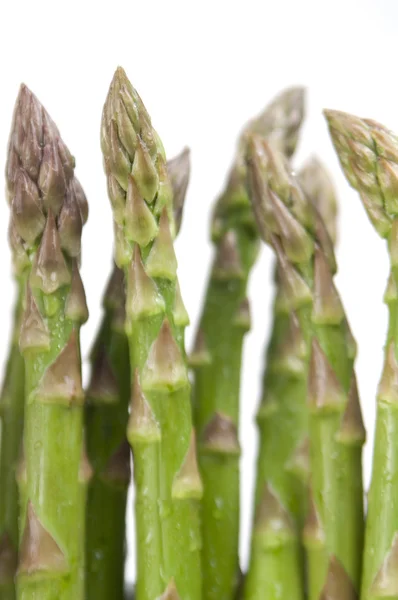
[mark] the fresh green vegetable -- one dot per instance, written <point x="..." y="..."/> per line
<point x="48" y="210"/>
<point x="12" y="402"/>
<point x="283" y="459"/>
<point x="109" y="453"/>
<point x="168" y="486"/>
<point x="368" y="154"/>
<point x="217" y="356"/>
<point x="289" y="221"/>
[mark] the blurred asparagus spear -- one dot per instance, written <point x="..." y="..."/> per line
<point x="216" y="358"/>
<point x="48" y="209"/>
<point x="109" y="453"/>
<point x="11" y="410"/>
<point x="282" y="416"/>
<point x="292" y="225"/>
<point x="160" y="428"/>
<point x="368" y="154"/>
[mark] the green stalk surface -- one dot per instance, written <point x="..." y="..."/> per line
<point x="368" y="154"/>
<point x="48" y="209"/>
<point x="108" y="451"/>
<point x="289" y="221"/>
<point x="274" y="572"/>
<point x="282" y="415"/>
<point x="168" y="486"/>
<point x="11" y="410"/>
<point x="217" y="356"/>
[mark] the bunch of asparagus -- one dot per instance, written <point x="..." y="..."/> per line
<point x="65" y="449"/>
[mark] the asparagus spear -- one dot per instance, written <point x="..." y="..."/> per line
<point x="216" y="358"/>
<point x="282" y="415"/>
<point x="368" y="154"/>
<point x="109" y="453"/>
<point x="11" y="407"/>
<point x="167" y="481"/>
<point x="292" y="225"/>
<point x="48" y="209"/>
<point x="106" y="422"/>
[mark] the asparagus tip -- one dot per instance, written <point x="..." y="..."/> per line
<point x="280" y="122"/>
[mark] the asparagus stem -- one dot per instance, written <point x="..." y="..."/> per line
<point x="282" y="415"/>
<point x="368" y="155"/>
<point x="217" y="356"/>
<point x="109" y="453"/>
<point x="48" y="209"/>
<point x="168" y="486"/>
<point x="290" y="222"/>
<point x="12" y="409"/>
<point x="274" y="569"/>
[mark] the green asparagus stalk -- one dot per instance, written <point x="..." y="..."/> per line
<point x="109" y="453"/>
<point x="217" y="355"/>
<point x="106" y="422"/>
<point x="274" y="570"/>
<point x="368" y="154"/>
<point x="168" y="486"/>
<point x="48" y="209"/>
<point x="12" y="408"/>
<point x="292" y="225"/>
<point x="282" y="415"/>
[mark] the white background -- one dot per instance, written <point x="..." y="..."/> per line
<point x="203" y="68"/>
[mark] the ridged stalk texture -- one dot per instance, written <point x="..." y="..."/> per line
<point x="48" y="209"/>
<point x="106" y="419"/>
<point x="368" y="154"/>
<point x="168" y="486"/>
<point x="12" y="403"/>
<point x="290" y="222"/>
<point x="282" y="416"/>
<point x="217" y="355"/>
